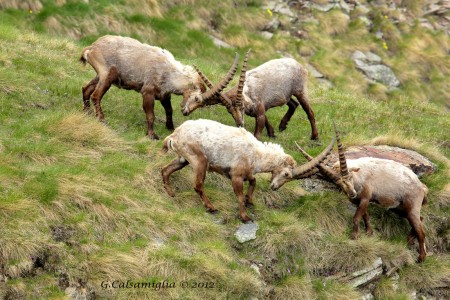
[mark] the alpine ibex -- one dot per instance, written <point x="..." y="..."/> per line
<point x="151" y="71"/>
<point x="269" y="85"/>
<point x="233" y="152"/>
<point x="385" y="182"/>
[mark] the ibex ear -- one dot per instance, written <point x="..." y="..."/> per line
<point x="354" y="170"/>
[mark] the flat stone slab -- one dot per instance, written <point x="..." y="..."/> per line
<point x="246" y="232"/>
<point x="418" y="163"/>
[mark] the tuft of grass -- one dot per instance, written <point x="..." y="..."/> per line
<point x="330" y="289"/>
<point x="433" y="273"/>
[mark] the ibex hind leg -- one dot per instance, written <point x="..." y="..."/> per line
<point x="103" y="85"/>
<point x="304" y="102"/>
<point x="175" y="165"/>
<point x="292" y="104"/>
<point x="249" y="196"/>
<point x="87" y="91"/>
<point x="416" y="224"/>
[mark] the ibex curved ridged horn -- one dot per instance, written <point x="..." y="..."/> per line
<point x="223" y="98"/>
<point x="328" y="172"/>
<point x="238" y="102"/>
<point x="223" y="83"/>
<point x="305" y="168"/>
<point x="342" y="160"/>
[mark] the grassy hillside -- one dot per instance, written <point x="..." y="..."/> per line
<point x="82" y="203"/>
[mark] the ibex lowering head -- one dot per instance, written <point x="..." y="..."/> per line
<point x="385" y="182"/>
<point x="151" y="71"/>
<point x="233" y="152"/>
<point x="269" y="85"/>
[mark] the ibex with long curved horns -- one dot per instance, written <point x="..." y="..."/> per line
<point x="269" y="85"/>
<point x="385" y="182"/>
<point x="151" y="71"/>
<point x="233" y="152"/>
<point x="234" y="105"/>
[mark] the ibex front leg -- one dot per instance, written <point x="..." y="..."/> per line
<point x="238" y="187"/>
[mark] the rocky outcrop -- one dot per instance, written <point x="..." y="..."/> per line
<point x="370" y="64"/>
<point x="418" y="163"/>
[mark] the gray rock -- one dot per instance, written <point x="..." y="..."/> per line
<point x="255" y="268"/>
<point x="346" y="7"/>
<point x="246" y="232"/>
<point x="285" y="10"/>
<point x="373" y="58"/>
<point x="324" y="7"/>
<point x="219" y="43"/>
<point x="358" y="55"/>
<point x="367" y="296"/>
<point x="313" y="71"/>
<point x="267" y="35"/>
<point x="381" y="73"/>
<point x="366" y="21"/>
<point x="368" y="58"/>
<point x="366" y="275"/>
<point x="379" y="34"/>
<point x="273" y="25"/>
<point x="79" y="293"/>
<point x="325" y="84"/>
<point x="315" y="185"/>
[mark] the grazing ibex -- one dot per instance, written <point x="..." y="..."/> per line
<point x="385" y="182"/>
<point x="269" y="85"/>
<point x="233" y="152"/>
<point x="151" y="71"/>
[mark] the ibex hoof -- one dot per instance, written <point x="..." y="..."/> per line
<point x="153" y="136"/>
<point x="169" y="191"/>
<point x="246" y="219"/>
<point x="282" y="128"/>
<point x="213" y="211"/>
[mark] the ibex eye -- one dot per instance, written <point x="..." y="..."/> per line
<point x="286" y="174"/>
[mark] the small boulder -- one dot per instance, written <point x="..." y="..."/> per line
<point x="246" y="232"/>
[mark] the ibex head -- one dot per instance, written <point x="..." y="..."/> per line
<point x="344" y="179"/>
<point x="289" y="171"/>
<point x="235" y="108"/>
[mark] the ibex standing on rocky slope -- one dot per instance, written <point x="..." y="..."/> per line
<point x="151" y="71"/>
<point x="233" y="152"/>
<point x="269" y="85"/>
<point x="382" y="181"/>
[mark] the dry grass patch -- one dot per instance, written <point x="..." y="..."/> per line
<point x="332" y="290"/>
<point x="285" y="234"/>
<point x="84" y="131"/>
<point x="329" y="214"/>
<point x="351" y="255"/>
<point x="334" y="22"/>
<point x="433" y="273"/>
<point x="294" y="287"/>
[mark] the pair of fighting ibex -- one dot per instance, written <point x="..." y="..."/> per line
<point x="233" y="152"/>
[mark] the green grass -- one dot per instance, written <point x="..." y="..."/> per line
<point x="102" y="185"/>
